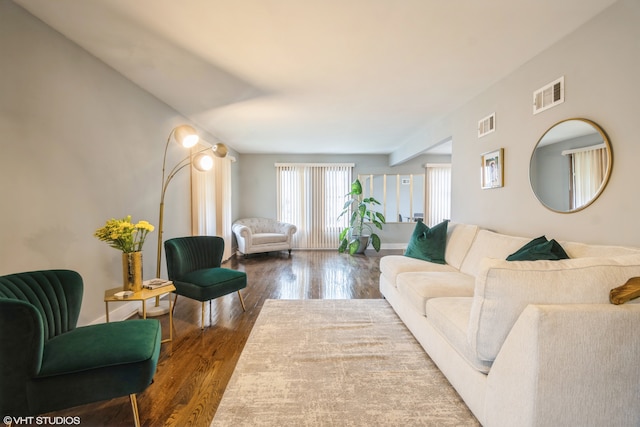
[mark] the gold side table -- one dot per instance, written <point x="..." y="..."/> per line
<point x="143" y="296"/>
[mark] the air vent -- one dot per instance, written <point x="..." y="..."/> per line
<point x="487" y="125"/>
<point x="548" y="96"/>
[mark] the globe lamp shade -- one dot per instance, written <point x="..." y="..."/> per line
<point x="186" y="136"/>
<point x="220" y="150"/>
<point x="203" y="162"/>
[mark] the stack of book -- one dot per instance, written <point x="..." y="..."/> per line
<point x="156" y="283"/>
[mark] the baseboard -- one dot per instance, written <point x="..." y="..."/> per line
<point x="388" y="246"/>
<point x="393" y="246"/>
<point x="382" y="246"/>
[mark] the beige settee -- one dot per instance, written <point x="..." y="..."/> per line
<point x="257" y="235"/>
<point x="525" y="343"/>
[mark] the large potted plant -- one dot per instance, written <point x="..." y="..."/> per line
<point x="355" y="238"/>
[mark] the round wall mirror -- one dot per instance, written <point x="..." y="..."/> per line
<point x="570" y="165"/>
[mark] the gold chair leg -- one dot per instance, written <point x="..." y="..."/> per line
<point x="202" y="324"/>
<point x="242" y="301"/>
<point x="134" y="407"/>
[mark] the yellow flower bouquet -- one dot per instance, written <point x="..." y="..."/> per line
<point x="124" y="235"/>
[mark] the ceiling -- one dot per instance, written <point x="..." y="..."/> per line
<point x="314" y="76"/>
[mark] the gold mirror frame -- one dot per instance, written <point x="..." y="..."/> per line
<point x="538" y="163"/>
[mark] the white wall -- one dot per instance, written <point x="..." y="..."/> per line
<point x="601" y="65"/>
<point x="79" y="144"/>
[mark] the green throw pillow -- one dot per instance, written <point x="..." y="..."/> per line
<point x="539" y="249"/>
<point x="522" y="252"/>
<point x="428" y="244"/>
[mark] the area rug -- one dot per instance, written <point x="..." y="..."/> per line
<point x="336" y="363"/>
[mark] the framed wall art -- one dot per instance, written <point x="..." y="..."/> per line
<point x="492" y="169"/>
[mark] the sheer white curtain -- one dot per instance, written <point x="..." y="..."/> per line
<point x="211" y="202"/>
<point x="311" y="196"/>
<point x="438" y="189"/>
<point x="589" y="169"/>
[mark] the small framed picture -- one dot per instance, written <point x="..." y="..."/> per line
<point x="492" y="169"/>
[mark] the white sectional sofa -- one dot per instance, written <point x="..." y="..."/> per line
<point x="525" y="343"/>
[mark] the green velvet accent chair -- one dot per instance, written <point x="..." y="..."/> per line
<point x="47" y="363"/>
<point x="193" y="264"/>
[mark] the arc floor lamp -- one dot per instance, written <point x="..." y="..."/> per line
<point x="202" y="160"/>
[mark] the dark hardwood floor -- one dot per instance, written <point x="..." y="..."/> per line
<point x="194" y="369"/>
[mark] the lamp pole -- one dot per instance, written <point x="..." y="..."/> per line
<point x="161" y="214"/>
<point x="187" y="137"/>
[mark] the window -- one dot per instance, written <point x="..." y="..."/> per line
<point x="438" y="197"/>
<point x="311" y="196"/>
<point x="588" y="171"/>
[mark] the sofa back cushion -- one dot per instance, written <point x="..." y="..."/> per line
<point x="459" y="240"/>
<point x="488" y="244"/>
<point x="503" y="290"/>
<point x="260" y="225"/>
<point x="583" y="250"/>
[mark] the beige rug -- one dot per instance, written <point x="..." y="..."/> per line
<point x="336" y="363"/>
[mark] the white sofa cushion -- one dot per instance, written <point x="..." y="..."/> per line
<point x="450" y="317"/>
<point x="268" y="238"/>
<point x="582" y="250"/>
<point x="419" y="287"/>
<point x="265" y="225"/>
<point x="488" y="244"/>
<point x="503" y="290"/>
<point x="459" y="240"/>
<point x="393" y="265"/>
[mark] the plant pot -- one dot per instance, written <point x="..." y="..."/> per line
<point x="132" y="271"/>
<point x="364" y="243"/>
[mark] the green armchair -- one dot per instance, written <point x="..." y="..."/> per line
<point x="44" y="353"/>
<point x="193" y="264"/>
